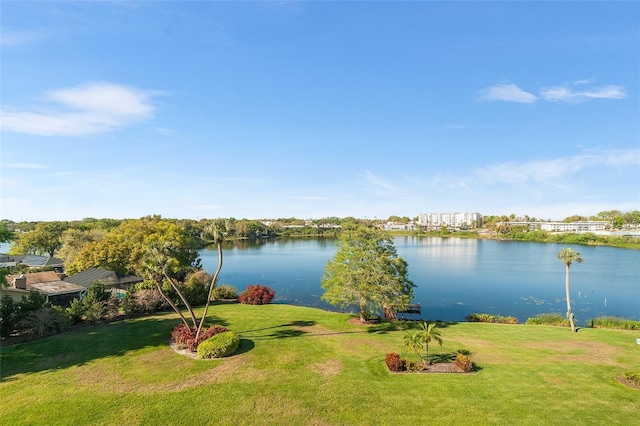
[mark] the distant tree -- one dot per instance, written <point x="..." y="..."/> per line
<point x="123" y="248"/>
<point x="568" y="256"/>
<point x="45" y="239"/>
<point x="367" y="272"/>
<point x="74" y="240"/>
<point x="574" y="218"/>
<point x="6" y="235"/>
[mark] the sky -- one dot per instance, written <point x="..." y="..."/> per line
<point x="274" y="109"/>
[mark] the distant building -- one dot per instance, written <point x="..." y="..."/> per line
<point x="450" y="220"/>
<point x="391" y="226"/>
<point x="581" y="226"/>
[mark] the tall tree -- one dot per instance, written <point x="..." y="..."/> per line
<point x="158" y="265"/>
<point x="216" y="231"/>
<point x="568" y="256"/>
<point x="367" y="272"/>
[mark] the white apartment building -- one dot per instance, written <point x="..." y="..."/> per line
<point x="583" y="226"/>
<point x="452" y="220"/>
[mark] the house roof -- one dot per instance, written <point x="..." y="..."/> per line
<point x="108" y="278"/>
<point x="36" y="277"/>
<point x="48" y="283"/>
<point x="30" y="260"/>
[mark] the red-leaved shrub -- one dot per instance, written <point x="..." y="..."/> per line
<point x="186" y="336"/>
<point x="257" y="294"/>
<point x="394" y="362"/>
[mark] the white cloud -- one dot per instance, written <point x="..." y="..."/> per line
<point x="568" y="95"/>
<point x="555" y="170"/>
<point x="91" y="108"/>
<point x="23" y="166"/>
<point x="506" y="92"/>
<point x="17" y="38"/>
<point x="509" y="92"/>
<point x="381" y="186"/>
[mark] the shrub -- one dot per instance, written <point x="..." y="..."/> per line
<point x="257" y="294"/>
<point x="225" y="291"/>
<point x="95" y="311"/>
<point x="394" y="362"/>
<point x="615" y="322"/>
<point x="414" y="366"/>
<point x="43" y="321"/>
<point x="499" y="319"/>
<point x="549" y="319"/>
<point x="186" y="336"/>
<point x="464" y="362"/>
<point x="142" y="301"/>
<point x="218" y="346"/>
<point x="633" y="377"/>
<point x="196" y="287"/>
<point x="9" y="316"/>
<point x="75" y="311"/>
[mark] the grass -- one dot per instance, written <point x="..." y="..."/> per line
<point x="304" y="366"/>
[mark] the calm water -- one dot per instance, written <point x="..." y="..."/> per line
<point x="454" y="276"/>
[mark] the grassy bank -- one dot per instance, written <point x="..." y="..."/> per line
<point x="301" y="365"/>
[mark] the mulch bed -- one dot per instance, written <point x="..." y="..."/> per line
<point x="623" y="380"/>
<point x="438" y="367"/>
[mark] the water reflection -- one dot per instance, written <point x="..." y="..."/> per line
<point x="441" y="253"/>
<point x="454" y="276"/>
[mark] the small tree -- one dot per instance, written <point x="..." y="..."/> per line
<point x="430" y="333"/>
<point x="568" y="256"/>
<point x="416" y="341"/>
<point x="367" y="272"/>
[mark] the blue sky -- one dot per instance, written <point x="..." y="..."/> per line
<point x="314" y="109"/>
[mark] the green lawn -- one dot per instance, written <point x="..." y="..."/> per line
<point x="304" y="366"/>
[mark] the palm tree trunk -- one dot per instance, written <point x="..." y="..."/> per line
<point x="426" y="356"/>
<point x="186" y="303"/>
<point x="213" y="283"/>
<point x="569" y="313"/>
<point x="173" y="305"/>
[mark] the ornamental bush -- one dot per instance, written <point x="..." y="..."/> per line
<point x="257" y="294"/>
<point x="394" y="362"/>
<point x="225" y="291"/>
<point x="185" y="337"/>
<point x="633" y="377"/>
<point x="498" y="319"/>
<point x="548" y="319"/>
<point x="615" y="322"/>
<point x="464" y="362"/>
<point x="218" y="346"/>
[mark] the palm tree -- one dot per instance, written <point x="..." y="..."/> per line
<point x="569" y="256"/>
<point x="217" y="231"/>
<point x="414" y="341"/>
<point x="156" y="266"/>
<point x="430" y="333"/>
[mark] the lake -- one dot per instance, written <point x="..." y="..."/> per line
<point x="454" y="276"/>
